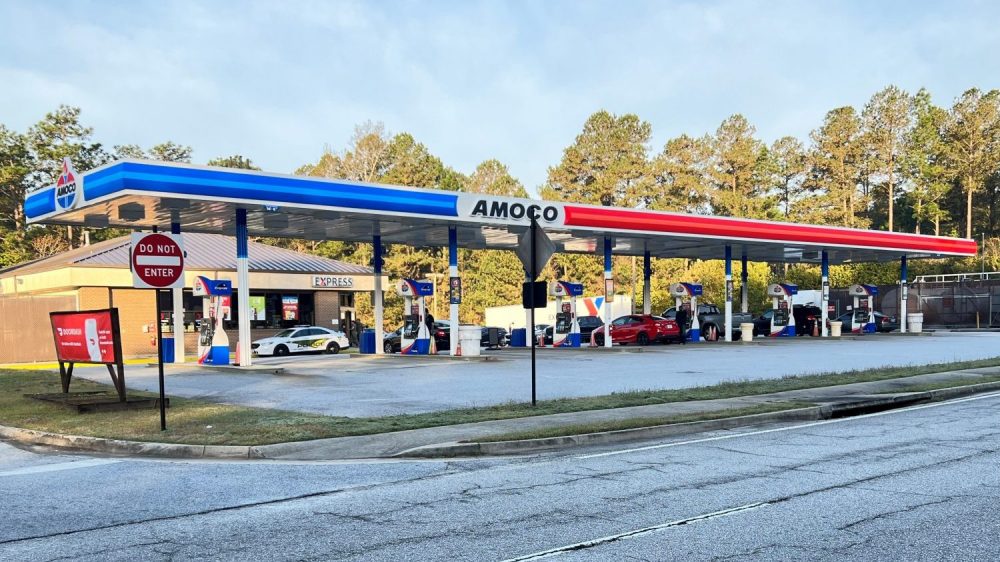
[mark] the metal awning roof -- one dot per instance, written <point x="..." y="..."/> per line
<point x="141" y="194"/>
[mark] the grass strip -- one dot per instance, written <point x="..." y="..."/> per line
<point x="938" y="385"/>
<point x="633" y="423"/>
<point x="202" y="422"/>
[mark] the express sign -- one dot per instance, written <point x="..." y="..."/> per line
<point x="157" y="261"/>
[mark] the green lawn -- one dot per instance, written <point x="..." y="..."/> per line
<point x="202" y="422"/>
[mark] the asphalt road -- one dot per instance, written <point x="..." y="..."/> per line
<point x="916" y="484"/>
<point x="342" y="386"/>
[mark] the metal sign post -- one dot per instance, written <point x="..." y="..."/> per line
<point x="157" y="261"/>
<point x="534" y="275"/>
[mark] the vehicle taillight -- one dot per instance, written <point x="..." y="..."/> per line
<point x="810" y="317"/>
<point x="440" y="333"/>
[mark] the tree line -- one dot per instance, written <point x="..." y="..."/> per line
<point x="901" y="163"/>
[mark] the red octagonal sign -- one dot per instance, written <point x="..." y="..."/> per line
<point x="157" y="261"/>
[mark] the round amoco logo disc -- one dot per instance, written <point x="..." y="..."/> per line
<point x="67" y="187"/>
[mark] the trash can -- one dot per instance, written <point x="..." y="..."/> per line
<point x="168" y="350"/>
<point x="517" y="338"/>
<point x="835" y="328"/>
<point x="470" y="337"/>
<point x="746" y="331"/>
<point x="366" y="343"/>
<point x="914" y="323"/>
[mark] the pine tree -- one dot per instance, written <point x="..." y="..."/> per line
<point x="923" y="163"/>
<point x="972" y="143"/>
<point x="886" y="122"/>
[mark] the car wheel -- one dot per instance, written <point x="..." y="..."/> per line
<point x="642" y="339"/>
<point x="387" y="347"/>
<point x="280" y="351"/>
<point x="599" y="340"/>
<point x="333" y="348"/>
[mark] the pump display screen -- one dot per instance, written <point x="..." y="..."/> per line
<point x="564" y="322"/>
<point x="411" y="326"/>
<point x="781" y="317"/>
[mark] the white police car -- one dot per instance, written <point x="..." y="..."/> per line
<point x="301" y="339"/>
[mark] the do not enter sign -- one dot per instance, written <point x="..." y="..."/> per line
<point x="157" y="261"/>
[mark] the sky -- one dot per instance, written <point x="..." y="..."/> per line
<point x="513" y="80"/>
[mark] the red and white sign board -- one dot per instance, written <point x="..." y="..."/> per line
<point x="84" y="337"/>
<point x="157" y="261"/>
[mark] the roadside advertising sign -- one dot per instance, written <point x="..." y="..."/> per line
<point x="157" y="261"/>
<point x="84" y="337"/>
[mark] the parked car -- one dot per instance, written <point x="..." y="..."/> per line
<point x="883" y="323"/>
<point x="710" y="316"/>
<point x="502" y="339"/>
<point x="639" y="329"/>
<point x="587" y="325"/>
<point x="806" y="316"/>
<point x="540" y="329"/>
<point x="441" y="334"/>
<point x="301" y="339"/>
<point x="391" y="342"/>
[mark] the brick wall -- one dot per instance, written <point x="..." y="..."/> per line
<point x="136" y="309"/>
<point x="327" y="308"/>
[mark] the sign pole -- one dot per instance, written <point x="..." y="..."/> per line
<point x="534" y="275"/>
<point x="159" y="362"/>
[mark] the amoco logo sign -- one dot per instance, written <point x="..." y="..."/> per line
<point x="68" y="187"/>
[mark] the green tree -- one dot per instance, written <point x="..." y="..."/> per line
<point x="834" y="171"/>
<point x="739" y="170"/>
<point x="606" y="164"/>
<point x="790" y="165"/>
<point x="679" y="176"/>
<point x="972" y="143"/>
<point x="493" y="178"/>
<point x="164" y="152"/>
<point x="16" y="165"/>
<point x="924" y="162"/>
<point x="235" y="161"/>
<point x="887" y="121"/>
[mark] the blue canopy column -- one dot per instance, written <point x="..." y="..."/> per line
<point x="608" y="292"/>
<point x="903" y="295"/>
<point x="178" y="302"/>
<point x="825" y="299"/>
<point x="729" y="294"/>
<point x="744" y="286"/>
<point x="243" y="288"/>
<point x="377" y="293"/>
<point x="455" y="294"/>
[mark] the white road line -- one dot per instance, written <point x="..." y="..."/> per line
<point x="55" y="467"/>
<point x="789" y="428"/>
<point x="635" y="533"/>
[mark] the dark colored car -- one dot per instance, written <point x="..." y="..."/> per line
<point x="502" y="339"/>
<point x="587" y="325"/>
<point x="806" y="316"/>
<point x="883" y="323"/>
<point x="391" y="341"/>
<point x="640" y="329"/>
<point x="441" y="334"/>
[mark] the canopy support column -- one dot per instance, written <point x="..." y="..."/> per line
<point x="243" y="287"/>
<point x="729" y="294"/>
<point x="453" y="295"/>
<point x="608" y="295"/>
<point x="825" y="298"/>
<point x="903" y="295"/>
<point x="377" y="294"/>
<point x="178" y="298"/>
<point x="744" y="287"/>
<point x="647" y="290"/>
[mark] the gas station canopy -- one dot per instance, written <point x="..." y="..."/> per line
<point x="141" y="194"/>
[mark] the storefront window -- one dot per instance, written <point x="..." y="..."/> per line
<point x="279" y="309"/>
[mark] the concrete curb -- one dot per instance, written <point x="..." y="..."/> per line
<point x="122" y="447"/>
<point x="79" y="443"/>
<point x="840" y="410"/>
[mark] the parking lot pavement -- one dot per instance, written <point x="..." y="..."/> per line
<point x="376" y="386"/>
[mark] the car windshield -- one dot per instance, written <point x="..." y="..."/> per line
<point x="284" y="333"/>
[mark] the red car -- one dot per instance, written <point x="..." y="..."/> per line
<point x="640" y="329"/>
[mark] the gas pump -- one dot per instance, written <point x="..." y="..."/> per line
<point x="416" y="338"/>
<point x="566" y="332"/>
<point x="691" y="291"/>
<point x="863" y="316"/>
<point x="782" y="317"/>
<point x="213" y="343"/>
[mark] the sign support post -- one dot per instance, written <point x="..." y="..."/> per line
<point x="531" y="333"/>
<point x="159" y="362"/>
